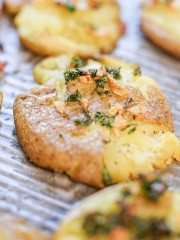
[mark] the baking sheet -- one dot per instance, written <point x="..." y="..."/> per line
<point x="41" y="196"/>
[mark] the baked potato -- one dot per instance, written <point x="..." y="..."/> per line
<point x="54" y="67"/>
<point x="160" y="23"/>
<point x="12" y="228"/>
<point x="51" y="28"/>
<point x="135" y="210"/>
<point x="101" y="122"/>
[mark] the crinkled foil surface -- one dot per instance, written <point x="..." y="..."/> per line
<point x="41" y="196"/>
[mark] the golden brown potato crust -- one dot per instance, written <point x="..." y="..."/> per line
<point x="14" y="6"/>
<point x="49" y="28"/>
<point x="12" y="228"/>
<point x="43" y="144"/>
<point x="161" y="37"/>
<point x="52" y="139"/>
<point x="159" y="22"/>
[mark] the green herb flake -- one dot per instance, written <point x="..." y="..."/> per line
<point x="104" y="119"/>
<point x="106" y="141"/>
<point x="72" y="74"/>
<point x="137" y="71"/>
<point x="132" y="130"/>
<point x="101" y="224"/>
<point x="101" y="82"/>
<point x="86" y="121"/>
<point x="126" y="193"/>
<point x="106" y="177"/>
<point x="167" y="1"/>
<point x="153" y="189"/>
<point x="115" y="72"/>
<point x="71" y="7"/>
<point x="93" y="72"/>
<point x="91" y="26"/>
<point x="128" y="126"/>
<point x="74" y="97"/>
<point x="100" y="85"/>
<point x="98" y="224"/>
<point x="65" y="115"/>
<point x="103" y="92"/>
<point x="76" y="62"/>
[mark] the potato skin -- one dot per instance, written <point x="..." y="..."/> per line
<point x="90" y="34"/>
<point x="79" y="159"/>
<point x="161" y="38"/>
<point x="54" y="141"/>
<point x="14" y="6"/>
<point x="158" y="34"/>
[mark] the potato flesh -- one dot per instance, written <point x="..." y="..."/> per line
<point x="168" y="207"/>
<point x="140" y="151"/>
<point x="165" y="18"/>
<point x="149" y="146"/>
<point x="86" y="31"/>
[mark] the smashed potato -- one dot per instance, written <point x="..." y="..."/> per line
<point x="51" y="28"/>
<point x="160" y="22"/>
<point x="134" y="210"/>
<point x="101" y="121"/>
<point x="54" y="67"/>
<point x="16" y="229"/>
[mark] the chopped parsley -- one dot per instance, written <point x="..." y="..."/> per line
<point x="154" y="228"/>
<point x="93" y="72"/>
<point x="128" y="126"/>
<point x="91" y="26"/>
<point x="65" y="115"/>
<point x="152" y="189"/>
<point x="137" y="71"/>
<point x="167" y="1"/>
<point x="74" y="97"/>
<point x="115" y="72"/>
<point x="76" y="62"/>
<point x="86" y="121"/>
<point x="106" y="141"/>
<point x="100" y="85"/>
<point x="104" y="119"/>
<point x="72" y="74"/>
<point x="98" y="224"/>
<point x="100" y="117"/>
<point x="104" y="92"/>
<point x="106" y="177"/>
<point x="101" y="224"/>
<point x="126" y="193"/>
<point x="132" y="130"/>
<point x="101" y="82"/>
<point x="70" y="6"/>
